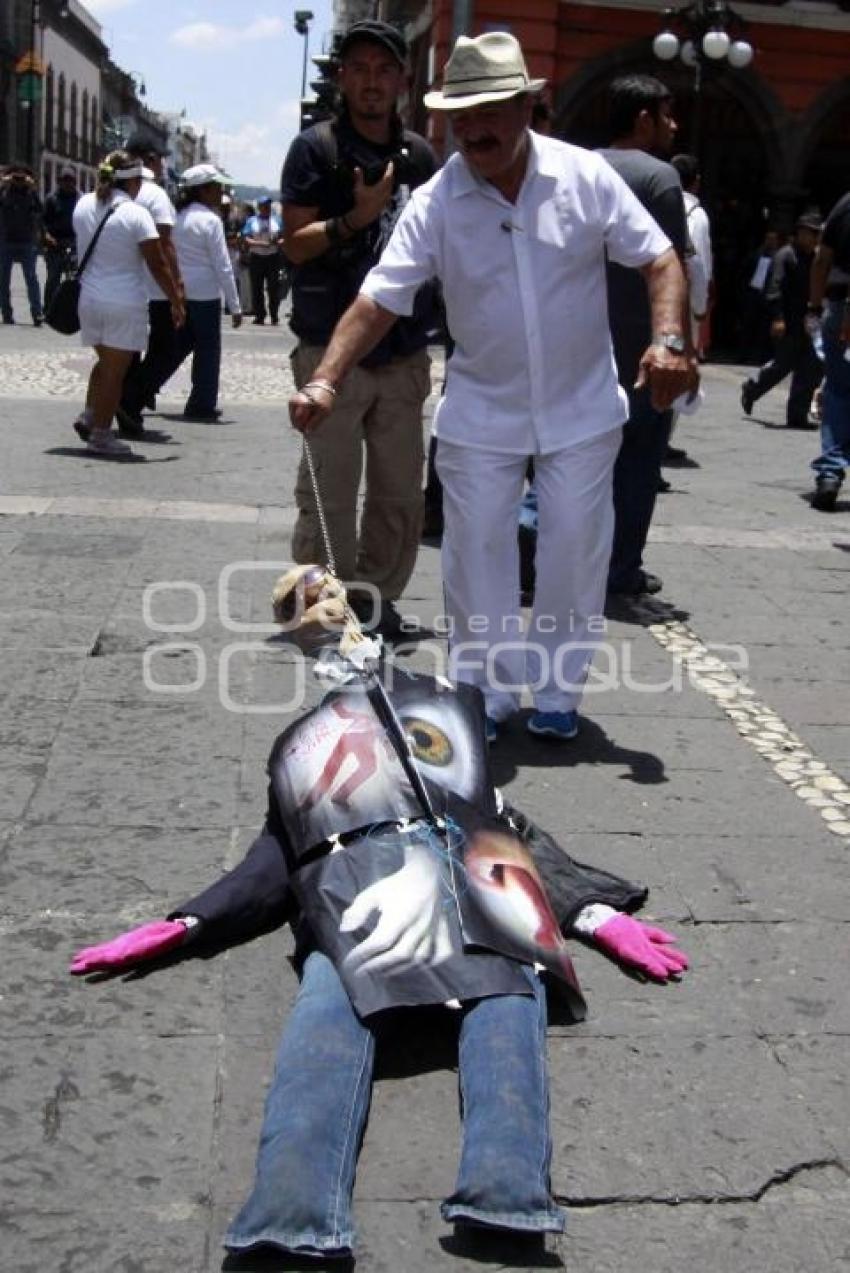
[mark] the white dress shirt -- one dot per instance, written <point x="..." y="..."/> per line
<point x="205" y="263"/>
<point x="524" y="284"/>
<point x="158" y="204"/>
<point x="115" y="274"/>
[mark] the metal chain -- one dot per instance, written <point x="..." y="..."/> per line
<point x="320" y="509"/>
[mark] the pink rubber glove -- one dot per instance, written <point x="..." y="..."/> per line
<point x="147" y="942"/>
<point x="637" y="945"/>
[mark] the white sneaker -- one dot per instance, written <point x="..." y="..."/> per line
<point x="104" y="442"/>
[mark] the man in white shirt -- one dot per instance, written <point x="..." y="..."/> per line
<point x="516" y="227"/>
<point x="700" y="261"/>
<point x="144" y="375"/>
<point x="263" y="234"/>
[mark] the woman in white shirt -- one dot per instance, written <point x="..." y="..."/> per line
<point x="207" y="272"/>
<point x="113" y="295"/>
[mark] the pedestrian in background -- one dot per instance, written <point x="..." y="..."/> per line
<point x="20" y="231"/>
<point x="516" y="227"/>
<point x="145" y="374"/>
<point x="643" y="129"/>
<point x="207" y="273"/>
<point x="59" y="232"/>
<point x="754" y="345"/>
<point x="786" y="296"/>
<point x="829" y="311"/>
<point x="113" y="292"/>
<point x="345" y="183"/>
<point x="262" y="234"/>
<point x="699" y="263"/>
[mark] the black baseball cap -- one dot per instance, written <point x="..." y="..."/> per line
<point x="809" y="220"/>
<point x="141" y="145"/>
<point x="378" y="33"/>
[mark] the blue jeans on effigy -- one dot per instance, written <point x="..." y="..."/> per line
<point x="316" y="1112"/>
<point x="835" y="419"/>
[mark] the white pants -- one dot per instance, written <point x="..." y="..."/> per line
<point x="481" y="496"/>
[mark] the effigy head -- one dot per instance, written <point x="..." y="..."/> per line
<point x="309" y="595"/>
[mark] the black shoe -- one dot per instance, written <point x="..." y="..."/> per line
<point x="275" y="322"/>
<point x="202" y="417"/>
<point x="675" y="455"/>
<point x="259" y="322"/>
<point x="129" y="426"/>
<point x="38" y="322"/>
<point x="826" y="493"/>
<point x="643" y="584"/>
<point x="8" y="320"/>
<point x="663" y="485"/>
<point x="748" y="397"/>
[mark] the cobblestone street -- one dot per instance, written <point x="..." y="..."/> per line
<point x="701" y="1126"/>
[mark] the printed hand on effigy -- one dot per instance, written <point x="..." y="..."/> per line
<point x="411" y="927"/>
<point x="147" y="942"/>
<point x="649" y="950"/>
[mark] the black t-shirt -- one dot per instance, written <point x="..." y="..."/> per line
<point x="659" y="189"/>
<point x="319" y="173"/>
<point x="836" y="233"/>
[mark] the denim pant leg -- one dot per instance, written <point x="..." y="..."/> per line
<point x="205" y="318"/>
<point x="503" y="1180"/>
<point x="636" y="474"/>
<point x="28" y="257"/>
<point x="314" y="1119"/>
<point x="835" y="421"/>
<point x="7" y="258"/>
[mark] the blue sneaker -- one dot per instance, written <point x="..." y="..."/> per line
<point x="491" y="729"/>
<point x="560" y="725"/>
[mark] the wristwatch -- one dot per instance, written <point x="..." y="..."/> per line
<point x="670" y="340"/>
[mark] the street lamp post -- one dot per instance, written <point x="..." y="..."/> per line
<point x="699" y="33"/>
<point x="303" y="18"/>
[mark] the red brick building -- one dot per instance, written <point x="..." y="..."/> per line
<point x="773" y="138"/>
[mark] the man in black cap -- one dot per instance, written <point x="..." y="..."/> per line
<point x="786" y="295"/>
<point x="144" y="375"/>
<point x="344" y="184"/>
<point x="59" y="231"/>
<point x="20" y="227"/>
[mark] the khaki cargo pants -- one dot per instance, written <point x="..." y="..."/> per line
<point x="378" y="409"/>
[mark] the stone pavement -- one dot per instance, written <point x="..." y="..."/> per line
<point x="701" y="1126"/>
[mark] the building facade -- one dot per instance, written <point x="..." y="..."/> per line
<point x="51" y="54"/>
<point x="772" y="138"/>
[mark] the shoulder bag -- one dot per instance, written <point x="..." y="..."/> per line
<point x="63" y="313"/>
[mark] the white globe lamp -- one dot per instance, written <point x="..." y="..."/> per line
<point x="665" y="46"/>
<point x="715" y="44"/>
<point x="689" y="53"/>
<point x="740" y="54"/>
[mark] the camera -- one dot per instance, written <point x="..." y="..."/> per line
<point x="402" y="169"/>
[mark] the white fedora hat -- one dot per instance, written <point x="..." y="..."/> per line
<point x="489" y="68"/>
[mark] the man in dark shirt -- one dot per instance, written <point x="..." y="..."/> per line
<point x="787" y="294"/>
<point x="642" y="126"/>
<point x="343" y="187"/>
<point x="20" y="226"/>
<point x="829" y="283"/>
<point x="59" y="231"/>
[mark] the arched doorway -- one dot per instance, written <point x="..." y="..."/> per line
<point x="826" y="176"/>
<point x="737" y="128"/>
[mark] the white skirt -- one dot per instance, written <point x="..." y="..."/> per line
<point x="114" y="326"/>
